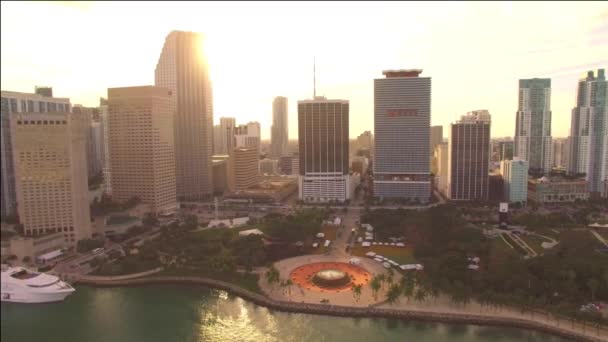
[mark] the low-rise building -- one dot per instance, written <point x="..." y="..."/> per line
<point x="557" y="189"/>
<point x="268" y="166"/>
<point x="271" y="189"/>
<point x="34" y="247"/>
<point x="360" y="165"/>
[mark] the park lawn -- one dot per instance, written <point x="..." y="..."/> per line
<point x="516" y="247"/>
<point x="502" y="246"/>
<point x="603" y="233"/>
<point x="401" y="255"/>
<point x="329" y="231"/>
<point x="534" y="242"/>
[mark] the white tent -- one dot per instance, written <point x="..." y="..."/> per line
<point x="355" y="261"/>
<point x="327" y="242"/>
<point x="400" y="244"/>
<point x="365" y="244"/>
<point x="251" y="232"/>
<point x="370" y="254"/>
<point x="369" y="238"/>
<point x="320" y="235"/>
<point x="315" y="245"/>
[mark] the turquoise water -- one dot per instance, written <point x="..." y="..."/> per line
<point x="188" y="313"/>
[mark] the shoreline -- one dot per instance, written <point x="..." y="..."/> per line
<point x="347" y="311"/>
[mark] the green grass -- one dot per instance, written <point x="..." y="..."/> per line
<point x="500" y="245"/>
<point x="534" y="242"/>
<point x="516" y="247"/>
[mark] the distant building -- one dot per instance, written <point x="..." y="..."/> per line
<point x="142" y="146"/>
<point x="557" y="189"/>
<point x="183" y="68"/>
<point x="436" y="137"/>
<point x="441" y="157"/>
<point x="270" y="189"/>
<point x="468" y="157"/>
<point x="324" y="144"/>
<point x="402" y="118"/>
<point x="502" y="149"/>
<point x="248" y="135"/>
<point x="245" y="167"/>
<point x="95" y="143"/>
<point x="495" y="187"/>
<point x="589" y="131"/>
<point x="360" y="165"/>
<point x="279" y="132"/>
<point x="515" y="176"/>
<point x="220" y="174"/>
<point x="365" y="140"/>
<point x="51" y="174"/>
<point x="560" y="152"/>
<point x="14" y="102"/>
<point x="105" y="132"/>
<point x="268" y="166"/>
<point x="533" y="124"/>
<point x="226" y="134"/>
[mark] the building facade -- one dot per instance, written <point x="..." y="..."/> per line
<point x="515" y="177"/>
<point x="105" y="132"/>
<point x="402" y="117"/>
<point x="142" y="146"/>
<point x="12" y="103"/>
<point x="589" y="131"/>
<point x="469" y="157"/>
<point x="436" y="137"/>
<point x="183" y="68"/>
<point x="51" y="174"/>
<point x="245" y="167"/>
<point x="441" y="158"/>
<point x="324" y="146"/>
<point x="279" y="131"/>
<point x="226" y="136"/>
<point x="268" y="166"/>
<point x="557" y="190"/>
<point x="248" y="135"/>
<point x="561" y="147"/>
<point x="533" y="124"/>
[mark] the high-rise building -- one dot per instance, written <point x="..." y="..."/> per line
<point x="589" y="131"/>
<point x="441" y="157"/>
<point x="248" y="135"/>
<point x="279" y="133"/>
<point x="402" y="118"/>
<point x="51" y="174"/>
<point x="268" y="166"/>
<point x="323" y="141"/>
<point x="468" y="157"/>
<point x="365" y="140"/>
<point x="245" y="167"/>
<point x="436" y="137"/>
<point x="142" y="147"/>
<point x="103" y="118"/>
<point x="560" y="152"/>
<point x="533" y="124"/>
<point x="226" y="136"/>
<point x="502" y="149"/>
<point x="94" y="138"/>
<point x="183" y="68"/>
<point x="12" y="103"/>
<point x="515" y="179"/>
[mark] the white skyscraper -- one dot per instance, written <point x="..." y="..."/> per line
<point x="279" y="137"/>
<point x="589" y="131"/>
<point x="515" y="177"/>
<point x="402" y="118"/>
<point x="533" y="124"/>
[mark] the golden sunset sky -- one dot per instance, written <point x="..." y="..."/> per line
<point x="475" y="52"/>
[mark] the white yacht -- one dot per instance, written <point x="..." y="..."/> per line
<point x="20" y="285"/>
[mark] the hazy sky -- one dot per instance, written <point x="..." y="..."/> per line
<point x="475" y="52"/>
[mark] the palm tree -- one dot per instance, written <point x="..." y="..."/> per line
<point x="389" y="278"/>
<point x="272" y="275"/>
<point x="288" y="283"/>
<point x="420" y="294"/>
<point x="357" y="291"/>
<point x="393" y="293"/>
<point x="381" y="278"/>
<point x="375" y="285"/>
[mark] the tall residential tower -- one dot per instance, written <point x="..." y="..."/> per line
<point x="533" y="124"/>
<point x="589" y="131"/>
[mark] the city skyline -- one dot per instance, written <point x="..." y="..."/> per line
<point x="460" y="83"/>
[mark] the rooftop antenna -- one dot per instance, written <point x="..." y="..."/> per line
<point x="314" y="78"/>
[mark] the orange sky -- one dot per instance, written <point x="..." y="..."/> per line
<point x="475" y="52"/>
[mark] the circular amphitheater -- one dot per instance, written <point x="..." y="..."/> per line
<point x="329" y="276"/>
